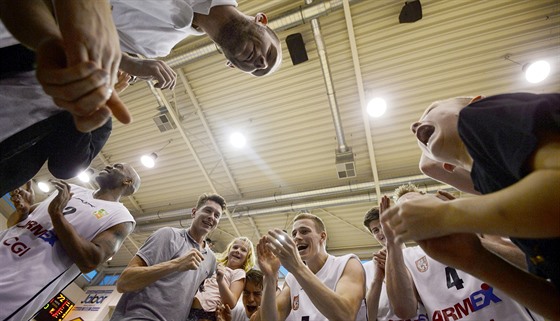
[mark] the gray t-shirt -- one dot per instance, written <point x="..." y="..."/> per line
<point x="169" y="298"/>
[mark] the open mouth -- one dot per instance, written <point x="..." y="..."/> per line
<point x="423" y="133"/>
<point x="251" y="308"/>
<point x="302" y="247"/>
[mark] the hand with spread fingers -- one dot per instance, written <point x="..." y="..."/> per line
<point x="57" y="205"/>
<point x="223" y="313"/>
<point x="150" y="69"/>
<point x="268" y="262"/>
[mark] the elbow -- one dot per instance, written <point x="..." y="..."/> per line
<point x="405" y="312"/>
<point x="123" y="286"/>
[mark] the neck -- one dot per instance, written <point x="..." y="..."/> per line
<point x="197" y="236"/>
<point x="317" y="262"/>
<point x="107" y="195"/>
<point x="212" y="23"/>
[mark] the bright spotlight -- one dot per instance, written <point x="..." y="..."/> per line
<point x="149" y="160"/>
<point x="376" y="107"/>
<point x="84" y="176"/>
<point x="237" y="139"/>
<point x="537" y="71"/>
<point x="44" y="187"/>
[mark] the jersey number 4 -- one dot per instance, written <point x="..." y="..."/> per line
<point x="453" y="279"/>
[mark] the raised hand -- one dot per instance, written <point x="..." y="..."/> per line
<point x="190" y="261"/>
<point x="284" y="247"/>
<point x="64" y="195"/>
<point x="220" y="271"/>
<point x="23" y="198"/>
<point x="122" y="81"/>
<point x="416" y="219"/>
<point x="379" y="259"/>
<point x="268" y="262"/>
<point x="459" y="250"/>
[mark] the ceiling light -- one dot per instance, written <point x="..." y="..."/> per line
<point x="376" y="107"/>
<point x="149" y="160"/>
<point x="44" y="187"/>
<point x="537" y="71"/>
<point x="85" y="175"/>
<point x="237" y="139"/>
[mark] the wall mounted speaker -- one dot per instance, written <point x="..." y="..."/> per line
<point x="296" y="46"/>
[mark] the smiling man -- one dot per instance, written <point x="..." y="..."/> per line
<point x="161" y="281"/>
<point x="319" y="287"/>
<point x="154" y="27"/>
<point x="510" y="145"/>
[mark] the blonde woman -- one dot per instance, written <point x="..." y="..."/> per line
<point x="226" y="285"/>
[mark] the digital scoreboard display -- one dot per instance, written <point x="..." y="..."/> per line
<point x="57" y="308"/>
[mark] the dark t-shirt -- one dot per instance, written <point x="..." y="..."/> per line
<point x="501" y="134"/>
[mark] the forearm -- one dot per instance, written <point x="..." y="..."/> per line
<point x="372" y="298"/>
<point x="330" y="304"/>
<point x="35" y="17"/>
<point x="226" y="295"/>
<point x="138" y="277"/>
<point x="512" y="253"/>
<point x="529" y="290"/>
<point x="85" y="254"/>
<point x="526" y="209"/>
<point x="400" y="286"/>
<point x="268" y="310"/>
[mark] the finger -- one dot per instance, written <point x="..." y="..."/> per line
<point x="72" y="91"/>
<point x="91" y="122"/>
<point x="118" y="109"/>
<point x="61" y="76"/>
<point x="87" y="104"/>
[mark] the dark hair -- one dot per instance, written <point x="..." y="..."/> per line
<point x="255" y="276"/>
<point x="202" y="199"/>
<point x="371" y="215"/>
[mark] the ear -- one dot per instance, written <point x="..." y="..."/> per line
<point x="324" y="236"/>
<point x="230" y="64"/>
<point x="261" y="18"/>
<point x="193" y="212"/>
<point x="448" y="167"/>
<point x="476" y="99"/>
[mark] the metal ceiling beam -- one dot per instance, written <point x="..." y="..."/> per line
<point x="202" y="118"/>
<point x="157" y="93"/>
<point x="360" y="83"/>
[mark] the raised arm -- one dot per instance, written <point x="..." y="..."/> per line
<point x="341" y="304"/>
<point x="139" y="275"/>
<point x="150" y="69"/>
<point x="273" y="307"/>
<point x="465" y="252"/>
<point x="229" y="294"/>
<point x="85" y="254"/>
<point x="23" y="199"/>
<point x="374" y="292"/>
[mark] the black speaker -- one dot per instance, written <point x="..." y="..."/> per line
<point x="296" y="46"/>
<point x="411" y="12"/>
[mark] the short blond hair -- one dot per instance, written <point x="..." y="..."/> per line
<point x="319" y="224"/>
<point x="405" y="188"/>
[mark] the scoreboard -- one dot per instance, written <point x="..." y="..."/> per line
<point x="57" y="308"/>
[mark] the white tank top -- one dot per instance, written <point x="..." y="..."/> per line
<point x="302" y="307"/>
<point x="34" y="265"/>
<point x="449" y="294"/>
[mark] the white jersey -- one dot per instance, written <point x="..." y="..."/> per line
<point x="384" y="311"/>
<point x="449" y="294"/>
<point x="238" y="313"/>
<point x="302" y="307"/>
<point x="35" y="266"/>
